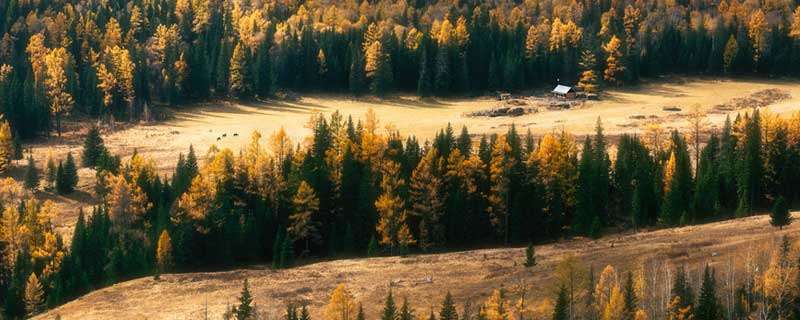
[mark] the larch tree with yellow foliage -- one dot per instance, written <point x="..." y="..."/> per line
<point x="342" y="305"/>
<point x="614" y="64"/>
<point x="392" y="224"/>
<point x="6" y="146"/>
<point x="34" y="296"/>
<point x="426" y="201"/>
<point x="164" y="253"/>
<point x="61" y="100"/>
<point x="302" y="225"/>
<point x="499" y="183"/>
<point x="588" y="78"/>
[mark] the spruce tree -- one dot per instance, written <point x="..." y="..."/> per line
<point x="631" y="302"/>
<point x="405" y="311"/>
<point x="780" y="216"/>
<point x="424" y="82"/>
<point x="31" y="180"/>
<point x="244" y="310"/>
<point x="67" y="176"/>
<point x="448" y="311"/>
<point x="372" y="247"/>
<point x="287" y="252"/>
<point x="389" y="308"/>
<point x="92" y="147"/>
<point x="708" y="307"/>
<point x="530" y="256"/>
<point x="560" y="309"/>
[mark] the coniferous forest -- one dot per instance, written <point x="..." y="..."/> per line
<point x="120" y="58"/>
<point x="352" y="189"/>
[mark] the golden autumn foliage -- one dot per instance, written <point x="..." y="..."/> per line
<point x="127" y="203"/>
<point x="342" y="305"/>
<point x="34" y="296"/>
<point x="614" y="63"/>
<point x="164" y="252"/>
<point x="499" y="174"/>
<point x="392" y="214"/>
<point x="6" y="148"/>
<point x="301" y="221"/>
<point x="496" y="307"/>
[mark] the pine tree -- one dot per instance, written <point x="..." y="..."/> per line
<point x="287" y="252"/>
<point x="631" y="302"/>
<point x="240" y="80"/>
<point x="244" y="310"/>
<point x="92" y="147"/>
<point x="405" y="311"/>
<point x="560" y="309"/>
<point x="357" y="78"/>
<point x="448" y="311"/>
<point x="66" y="176"/>
<point x="780" y="217"/>
<point x="164" y="253"/>
<point x="372" y="247"/>
<point x="51" y="174"/>
<point x="530" y="256"/>
<point x="750" y="167"/>
<point x="708" y="307"/>
<point x="389" y="308"/>
<point x="34" y="296"/>
<point x="31" y="180"/>
<point x="443" y="77"/>
<point x="425" y="80"/>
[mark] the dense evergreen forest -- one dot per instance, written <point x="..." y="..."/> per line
<point x="351" y="189"/>
<point x="120" y="58"/>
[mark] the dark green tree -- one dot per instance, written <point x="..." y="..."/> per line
<point x="780" y="216"/>
<point x="31" y="179"/>
<point x="560" y="311"/>
<point x="244" y="311"/>
<point x="448" y="311"/>
<point x="530" y="256"/>
<point x="93" y="147"/>
<point x="708" y="307"/>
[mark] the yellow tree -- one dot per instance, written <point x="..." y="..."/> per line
<point x="604" y="289"/>
<point x="615" y="308"/>
<point x="794" y="30"/>
<point x="614" y="66"/>
<point x="588" y="79"/>
<point x="342" y="305"/>
<point x="126" y="201"/>
<point x="426" y="202"/>
<point x="34" y="295"/>
<point x="500" y="180"/>
<point x="6" y="147"/>
<point x="12" y="234"/>
<point x="61" y="101"/>
<point x="301" y="221"/>
<point x="496" y="307"/>
<point x="757" y="31"/>
<point x="392" y="214"/>
<point x="164" y="252"/>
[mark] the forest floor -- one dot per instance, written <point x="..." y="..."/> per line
<point x="623" y="110"/>
<point x="424" y="279"/>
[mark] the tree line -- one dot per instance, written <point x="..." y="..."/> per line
<point x="120" y="58"/>
<point x="352" y="188"/>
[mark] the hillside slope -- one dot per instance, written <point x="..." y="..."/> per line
<point x="423" y="278"/>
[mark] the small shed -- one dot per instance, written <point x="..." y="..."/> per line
<point x="564" y="91"/>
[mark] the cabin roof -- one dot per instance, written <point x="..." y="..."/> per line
<point x="562" y="89"/>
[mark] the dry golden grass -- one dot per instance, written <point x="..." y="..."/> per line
<point x="469" y="275"/>
<point x="200" y="125"/>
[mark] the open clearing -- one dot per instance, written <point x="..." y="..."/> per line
<point x="203" y="124"/>
<point x="425" y="278"/>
